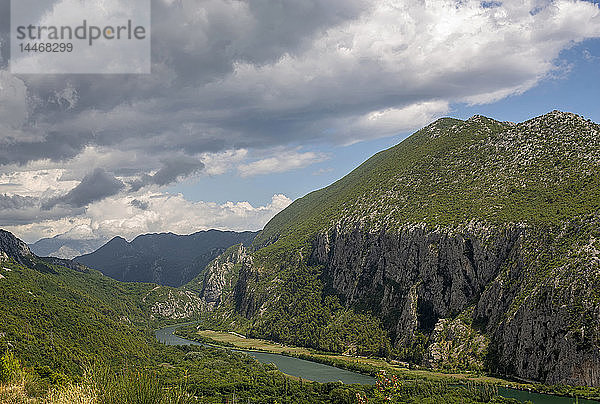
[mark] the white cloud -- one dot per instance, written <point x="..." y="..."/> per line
<point x="281" y="162"/>
<point x="220" y="163"/>
<point x="391" y="121"/>
<point x="38" y="183"/>
<point x="163" y="213"/>
<point x="232" y="80"/>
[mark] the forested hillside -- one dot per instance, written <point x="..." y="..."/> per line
<point x="471" y="244"/>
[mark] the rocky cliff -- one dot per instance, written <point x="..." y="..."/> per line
<point x="220" y="277"/>
<point x="474" y="243"/>
<point x="12" y="247"/>
<point x="416" y="275"/>
<point x="541" y="312"/>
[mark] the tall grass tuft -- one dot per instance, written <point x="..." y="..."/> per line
<point x="133" y="386"/>
<point x="10" y="368"/>
<point x="72" y="394"/>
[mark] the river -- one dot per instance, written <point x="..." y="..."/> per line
<point x="323" y="373"/>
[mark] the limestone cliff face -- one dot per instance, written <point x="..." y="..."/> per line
<point x="543" y="325"/>
<point x="12" y="247"/>
<point x="543" y="309"/>
<point x="221" y="276"/>
<point x="414" y="276"/>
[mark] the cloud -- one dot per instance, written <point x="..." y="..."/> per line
<point x="220" y="163"/>
<point x="142" y="205"/>
<point x="237" y="75"/>
<point x="390" y="121"/>
<point x="587" y="55"/>
<point x="234" y="80"/>
<point x="172" y="169"/>
<point x="16" y="202"/>
<point x="118" y="216"/>
<point x="94" y="187"/>
<point x="282" y="162"/>
<point x="14" y="108"/>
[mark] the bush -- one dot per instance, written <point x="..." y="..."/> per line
<point x="132" y="386"/>
<point x="10" y="368"/>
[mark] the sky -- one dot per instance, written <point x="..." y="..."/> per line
<point x="251" y="105"/>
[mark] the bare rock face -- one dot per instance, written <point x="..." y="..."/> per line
<point x="453" y="344"/>
<point x="175" y="304"/>
<point x="543" y="311"/>
<point x="414" y="276"/>
<point x="541" y="315"/>
<point x="221" y="276"/>
<point x="12" y="247"/>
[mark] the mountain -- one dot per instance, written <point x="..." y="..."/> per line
<point x="166" y="258"/>
<point x="61" y="314"/>
<point x="68" y="334"/>
<point x="12" y="248"/>
<point x="67" y="248"/>
<point x="471" y="244"/>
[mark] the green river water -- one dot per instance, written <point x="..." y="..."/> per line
<point x="323" y="373"/>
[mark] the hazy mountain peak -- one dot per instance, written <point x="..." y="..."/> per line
<point x="163" y="258"/>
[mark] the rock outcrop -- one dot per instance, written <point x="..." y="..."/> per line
<point x="414" y="276"/>
<point x="455" y="344"/>
<point x="221" y="276"/>
<point x="531" y="291"/>
<point x="12" y="247"/>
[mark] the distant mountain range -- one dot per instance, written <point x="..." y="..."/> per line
<point x="63" y="247"/>
<point x="165" y="259"/>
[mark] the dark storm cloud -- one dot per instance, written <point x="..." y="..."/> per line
<point x="230" y="75"/>
<point x="142" y="205"/>
<point x="194" y="43"/>
<point x="56" y="146"/>
<point x="16" y="202"/>
<point x="169" y="172"/>
<point x="94" y="187"/>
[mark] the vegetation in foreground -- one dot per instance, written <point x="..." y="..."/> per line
<point x="375" y="366"/>
<point x="104" y="385"/>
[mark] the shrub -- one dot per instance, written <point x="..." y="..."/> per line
<point x="10" y="368"/>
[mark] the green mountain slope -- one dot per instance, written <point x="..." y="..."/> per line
<point x="542" y="170"/>
<point x="471" y="244"/>
<point x="60" y="314"/>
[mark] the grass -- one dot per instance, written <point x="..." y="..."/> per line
<point x="375" y="365"/>
<point x="100" y="385"/>
<point x="250" y="344"/>
<point x="254" y="344"/>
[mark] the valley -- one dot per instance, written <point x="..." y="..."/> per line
<point x="464" y="260"/>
